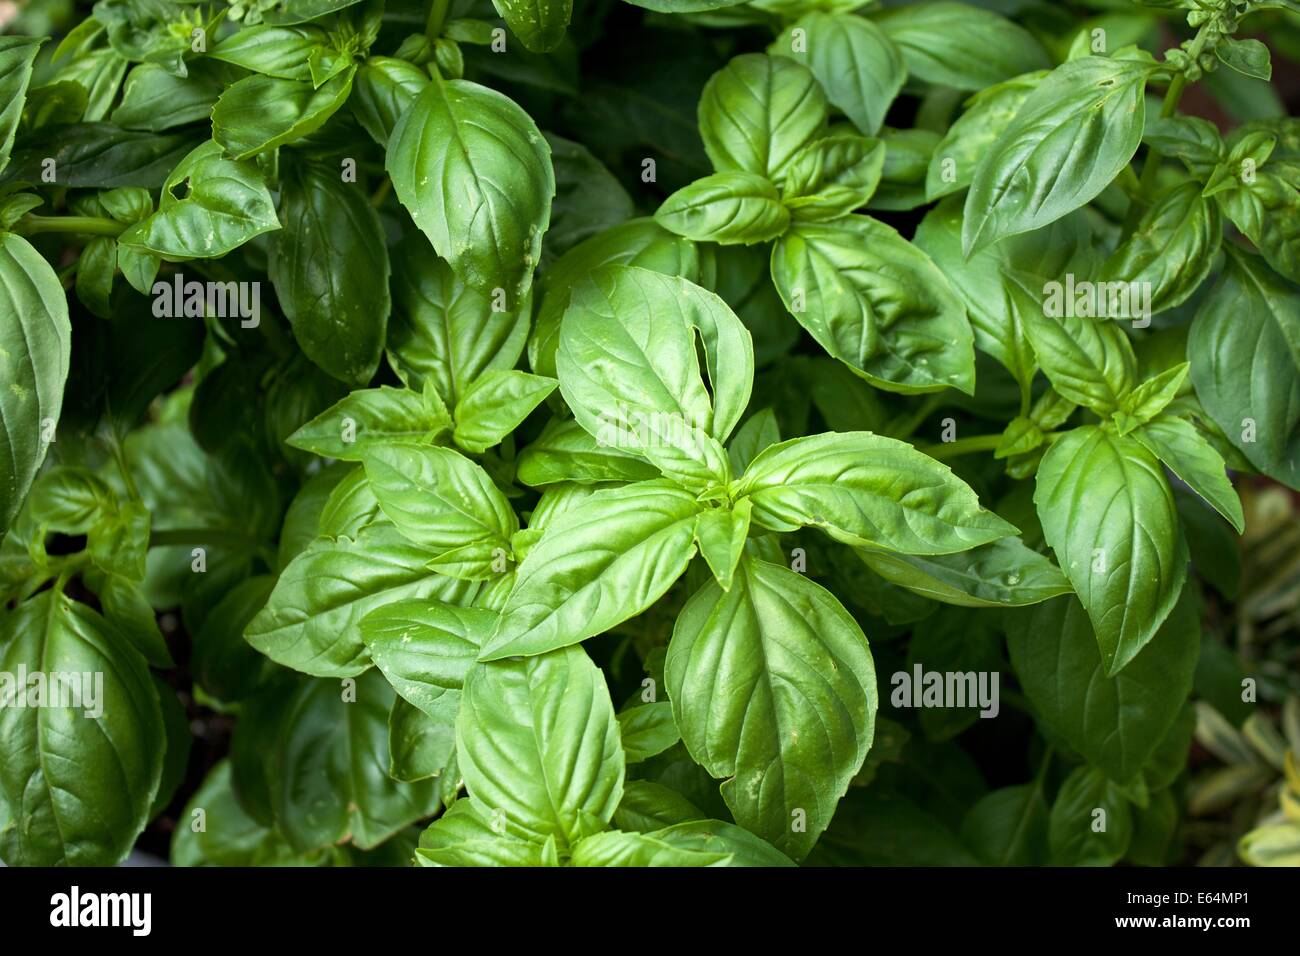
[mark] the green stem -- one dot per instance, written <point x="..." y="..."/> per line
<point x="437" y="17"/>
<point x="119" y="456"/>
<point x="962" y="446"/>
<point x="30" y="225"/>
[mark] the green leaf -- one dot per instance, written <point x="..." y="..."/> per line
<point x="329" y="266"/>
<point x="329" y="767"/>
<point x="311" y="622"/>
<point x="1003" y="573"/>
<point x="1178" y="444"/>
<point x="77" y="778"/>
<point x="1263" y="204"/>
<point x="540" y="24"/>
<point x="833" y="176"/>
<point x="565" y="451"/>
<point x="154" y="99"/>
<point x="262" y="112"/>
<point x="868" y="491"/>
<point x="1117" y="722"/>
<point x="757" y="112"/>
<point x="1245" y="353"/>
<point x="425" y="648"/>
<point x="728" y="208"/>
<point x="796" y="720"/>
<point x="221" y="661"/>
<point x="444" y="502"/>
<point x="877" y="303"/>
<point x="613" y="848"/>
<point x="1151" y="397"/>
<point x="1090" y="824"/>
<point x="1248" y="57"/>
<point x="1009" y="827"/>
<point x="381" y="92"/>
<point x="606" y="560"/>
<point x="369" y="417"/>
<point x="1088" y="361"/>
<point x="464" y="836"/>
<point x="629" y="369"/>
<point x="856" y="63"/>
<point x="494" y="406"/>
<point x="475" y="173"/>
<point x="988" y="114"/>
<point x="279" y="51"/>
<point x="209" y="206"/>
<point x="1071" y="138"/>
<point x="538" y="742"/>
<point x="17" y="54"/>
<point x="960" y="45"/>
<point x="444" y="332"/>
<point x="35" y="338"/>
<point x="721" y="534"/>
<point x="647" y="730"/>
<point x="758" y="432"/>
<point x="1109" y="514"/>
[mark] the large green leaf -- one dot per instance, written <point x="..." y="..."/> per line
<point x="425" y="648"/>
<point x="1003" y="573"/>
<point x="371" y="416"/>
<point x="877" y="303"/>
<point x="78" y="773"/>
<point x="1109" y="514"/>
<point x="475" y="173"/>
<point x="329" y="266"/>
<point x="870" y="491"/>
<point x="597" y="565"/>
<point x="35" y="337"/>
<point x="1118" y="722"/>
<point x="1070" y="140"/>
<point x="728" y="208"/>
<point x="537" y="742"/>
<point x="1245" y="353"/>
<point x="774" y="690"/>
<point x="259" y="113"/>
<point x="1088" y="360"/>
<point x="16" y="57"/>
<point x="540" y="24"/>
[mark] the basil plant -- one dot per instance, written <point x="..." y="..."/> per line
<point x="664" y="433"/>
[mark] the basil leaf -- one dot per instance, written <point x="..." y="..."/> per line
<point x="565" y="451"/>
<point x="647" y="730"/>
<point x="728" y="208"/>
<point x="463" y="836"/>
<point x="278" y="51"/>
<point x="1071" y="138"/>
<point x="382" y="90"/>
<point x="76" y="782"/>
<point x="539" y="24"/>
<point x="311" y="622"/>
<point x="369" y="417"/>
<point x="444" y="332"/>
<point x="262" y="112"/>
<point x="1245" y="354"/>
<point x="1267" y="210"/>
<point x="1126" y="556"/>
<point x="329" y="768"/>
<point x="1115" y="722"/>
<point x="1091" y="824"/>
<point x="329" y="266"/>
<point x="759" y="431"/>
<point x="35" y="335"/>
<point x="1151" y="397"/>
<point x="798" y="722"/>
<point x="605" y="561"/>
<point x="230" y="836"/>
<point x="1179" y="445"/>
<point x="421" y="746"/>
<point x="221" y="660"/>
<point x="988" y="114"/>
<point x="867" y="490"/>
<point x="537" y="741"/>
<point x="640" y="849"/>
<point x="1088" y="361"/>
<point x="444" y="502"/>
<point x="475" y="173"/>
<point x="1247" y="57"/>
<point x="224" y="203"/>
<point x="757" y="112"/>
<point x="1172" y="250"/>
<point x="1003" y="573"/>
<point x="962" y="46"/>
<point x="875" y="302"/>
<point x="721" y="534"/>
<point x="495" y="405"/>
<point x="856" y="63"/>
<point x="628" y="368"/>
<point x="16" y="57"/>
<point x="425" y="648"/>
<point x="831" y="177"/>
<point x="1009" y="826"/>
